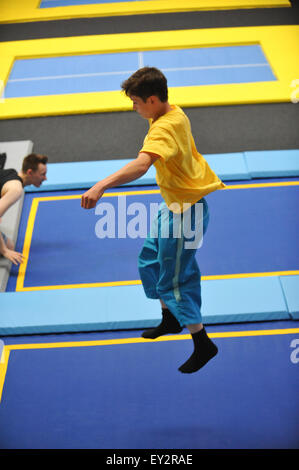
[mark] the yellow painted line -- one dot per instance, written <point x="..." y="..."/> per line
<point x="122" y="341"/>
<point x="30" y="226"/>
<point x="136" y="282"/>
<point x="280" y="45"/>
<point x="112" y="194"/>
<point x="250" y="275"/>
<point x="79" y="286"/>
<point x="239" y="334"/>
<point x="157" y="191"/>
<point x="27" y="244"/>
<point x="13" y="11"/>
<point x="263" y="185"/>
<point x="3" y="368"/>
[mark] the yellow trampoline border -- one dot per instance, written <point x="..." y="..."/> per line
<point x="279" y="43"/>
<point x="121" y="341"/>
<point x="17" y="11"/>
<point x="30" y="227"/>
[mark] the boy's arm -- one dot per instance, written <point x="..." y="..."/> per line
<point x="130" y="172"/>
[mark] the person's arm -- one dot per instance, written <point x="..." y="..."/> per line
<point x="2" y="244"/>
<point x="7" y="200"/>
<point x="130" y="172"/>
<point x="11" y="196"/>
<point x="13" y="256"/>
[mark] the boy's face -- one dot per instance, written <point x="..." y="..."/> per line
<point x="145" y="109"/>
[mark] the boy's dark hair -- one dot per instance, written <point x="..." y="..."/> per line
<point x="32" y="161"/>
<point x="146" y="82"/>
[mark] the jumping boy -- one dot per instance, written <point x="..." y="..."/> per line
<point x="34" y="170"/>
<point x="168" y="270"/>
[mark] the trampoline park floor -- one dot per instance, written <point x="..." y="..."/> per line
<point x="251" y="275"/>
<point x="61" y="242"/>
<point x="115" y="390"/>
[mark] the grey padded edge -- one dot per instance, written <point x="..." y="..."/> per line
<point x="15" y="151"/>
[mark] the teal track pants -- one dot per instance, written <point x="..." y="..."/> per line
<point x="167" y="265"/>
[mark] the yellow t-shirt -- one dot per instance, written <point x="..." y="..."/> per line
<point x="182" y="173"/>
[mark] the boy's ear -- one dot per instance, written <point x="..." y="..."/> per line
<point x="153" y="99"/>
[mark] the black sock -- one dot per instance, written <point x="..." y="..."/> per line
<point x="204" y="350"/>
<point x="169" y="324"/>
